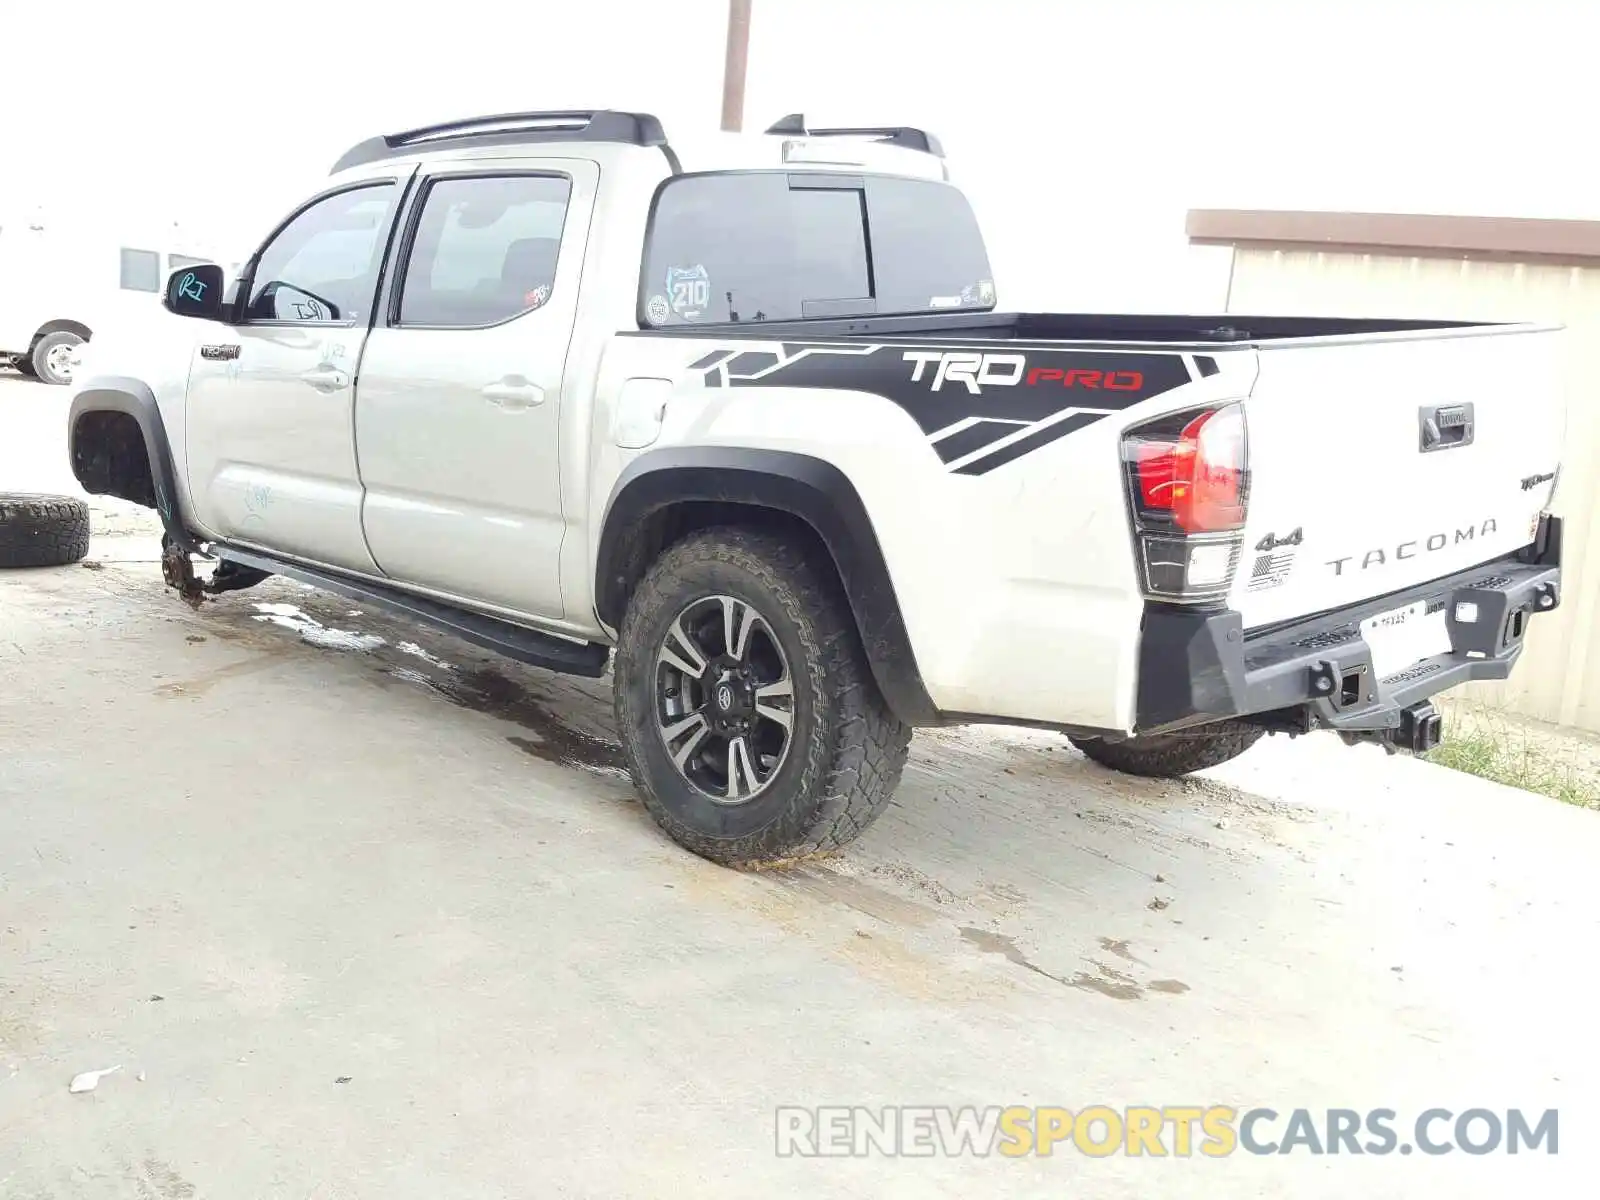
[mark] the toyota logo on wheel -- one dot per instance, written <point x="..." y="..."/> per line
<point x="724" y="697"/>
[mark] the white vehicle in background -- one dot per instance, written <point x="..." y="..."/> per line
<point x="62" y="281"/>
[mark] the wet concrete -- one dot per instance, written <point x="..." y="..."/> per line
<point x="487" y="690"/>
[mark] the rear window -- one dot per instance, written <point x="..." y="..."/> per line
<point x="779" y="246"/>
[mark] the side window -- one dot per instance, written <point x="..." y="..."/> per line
<point x="484" y="251"/>
<point x="779" y="246"/>
<point x="140" y="270"/>
<point x="322" y="267"/>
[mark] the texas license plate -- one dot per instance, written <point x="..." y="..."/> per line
<point x="1403" y="637"/>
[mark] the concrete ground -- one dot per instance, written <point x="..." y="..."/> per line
<point x="360" y="912"/>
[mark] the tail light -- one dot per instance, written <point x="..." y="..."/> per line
<point x="1189" y="484"/>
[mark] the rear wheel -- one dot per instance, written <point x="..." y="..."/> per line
<point x="1169" y="755"/>
<point x="751" y="723"/>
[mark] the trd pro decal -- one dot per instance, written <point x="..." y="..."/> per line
<point x="975" y="371"/>
<point x="980" y="408"/>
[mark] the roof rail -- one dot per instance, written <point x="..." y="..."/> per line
<point x="794" y="125"/>
<point x="510" y="129"/>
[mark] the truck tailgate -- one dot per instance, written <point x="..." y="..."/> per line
<point x="1382" y="463"/>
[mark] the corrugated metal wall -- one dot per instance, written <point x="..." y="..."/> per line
<point x="1558" y="678"/>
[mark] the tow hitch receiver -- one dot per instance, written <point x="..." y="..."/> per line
<point x="1421" y="728"/>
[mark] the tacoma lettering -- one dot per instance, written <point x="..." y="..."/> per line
<point x="1381" y="555"/>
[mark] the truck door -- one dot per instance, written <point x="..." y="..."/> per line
<point x="459" y="404"/>
<point x="270" y="414"/>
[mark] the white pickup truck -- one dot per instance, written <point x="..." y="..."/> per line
<point x="740" y="409"/>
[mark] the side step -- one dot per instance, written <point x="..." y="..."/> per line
<point x="503" y="637"/>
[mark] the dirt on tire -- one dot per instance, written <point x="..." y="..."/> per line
<point x="42" y="531"/>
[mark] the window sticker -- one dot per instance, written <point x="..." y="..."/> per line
<point x="689" y="291"/>
<point x="537" y="297"/>
<point x="657" y="311"/>
<point x="981" y="292"/>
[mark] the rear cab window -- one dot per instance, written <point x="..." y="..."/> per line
<point x="749" y="246"/>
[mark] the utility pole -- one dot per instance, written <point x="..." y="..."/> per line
<point x="733" y="65"/>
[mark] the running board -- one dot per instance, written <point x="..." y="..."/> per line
<point x="503" y="637"/>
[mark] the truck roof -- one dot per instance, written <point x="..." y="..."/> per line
<point x="788" y="143"/>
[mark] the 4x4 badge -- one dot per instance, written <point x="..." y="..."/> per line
<point x="1272" y="541"/>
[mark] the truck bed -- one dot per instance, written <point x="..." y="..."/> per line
<point x="1381" y="452"/>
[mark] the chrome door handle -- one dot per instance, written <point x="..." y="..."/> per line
<point x="327" y="379"/>
<point x="506" y="394"/>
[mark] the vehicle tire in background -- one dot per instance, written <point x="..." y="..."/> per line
<point x="50" y="355"/>
<point x="1169" y="755"/>
<point x="42" y="531"/>
<point x="749" y="717"/>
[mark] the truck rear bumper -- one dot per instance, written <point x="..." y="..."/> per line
<point x="1198" y="667"/>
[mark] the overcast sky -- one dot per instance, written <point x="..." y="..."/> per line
<point x="1083" y="130"/>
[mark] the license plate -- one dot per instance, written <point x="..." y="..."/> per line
<point x="1403" y="637"/>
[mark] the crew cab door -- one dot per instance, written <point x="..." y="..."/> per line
<point x="458" y="407"/>
<point x="271" y="399"/>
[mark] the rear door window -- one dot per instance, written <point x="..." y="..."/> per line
<point x="485" y="250"/>
<point x="778" y="246"/>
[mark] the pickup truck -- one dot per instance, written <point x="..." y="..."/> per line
<point x="736" y="418"/>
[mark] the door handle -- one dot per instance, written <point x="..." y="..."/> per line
<point x="509" y="394"/>
<point x="327" y="379"/>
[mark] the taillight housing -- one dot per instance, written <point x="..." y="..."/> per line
<point x="1189" y="488"/>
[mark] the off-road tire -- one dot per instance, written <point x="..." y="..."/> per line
<point x="847" y="748"/>
<point x="1169" y="755"/>
<point x="42" y="531"/>
<point x="39" y="359"/>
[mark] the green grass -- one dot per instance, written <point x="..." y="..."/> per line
<point x="1543" y="759"/>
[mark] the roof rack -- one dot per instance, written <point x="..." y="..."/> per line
<point x="794" y="125"/>
<point x="509" y="129"/>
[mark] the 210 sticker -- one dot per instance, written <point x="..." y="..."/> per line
<point x="689" y="291"/>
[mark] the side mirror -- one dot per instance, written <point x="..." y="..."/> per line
<point x="196" y="292"/>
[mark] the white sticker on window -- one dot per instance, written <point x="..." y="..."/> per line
<point x="689" y="291"/>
